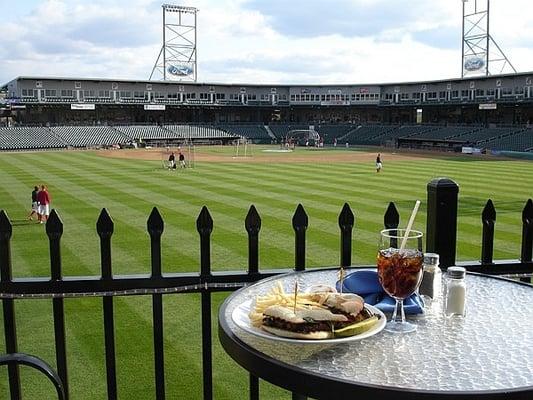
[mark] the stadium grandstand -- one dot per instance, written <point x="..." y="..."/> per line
<point x="492" y="112"/>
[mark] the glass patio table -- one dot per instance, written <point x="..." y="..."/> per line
<point x="488" y="354"/>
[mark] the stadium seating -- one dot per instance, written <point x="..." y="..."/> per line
<point x="370" y="134"/>
<point x="334" y="131"/>
<point x="254" y="132"/>
<point x="501" y="138"/>
<point x="484" y="135"/>
<point x="445" y="133"/>
<point x="197" y="132"/>
<point x="517" y="141"/>
<point x="135" y="132"/>
<point x="90" y="136"/>
<point x="26" y="138"/>
<point x="281" y="130"/>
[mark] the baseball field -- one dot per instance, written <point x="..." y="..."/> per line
<point x="128" y="183"/>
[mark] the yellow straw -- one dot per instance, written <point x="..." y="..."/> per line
<point x="410" y="225"/>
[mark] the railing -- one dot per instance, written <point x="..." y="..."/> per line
<point x="441" y="231"/>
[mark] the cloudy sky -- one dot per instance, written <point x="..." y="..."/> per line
<point x="263" y="41"/>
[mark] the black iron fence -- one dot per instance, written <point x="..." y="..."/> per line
<point x="441" y="230"/>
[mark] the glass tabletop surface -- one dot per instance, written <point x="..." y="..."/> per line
<point x="490" y="349"/>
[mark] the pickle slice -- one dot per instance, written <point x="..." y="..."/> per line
<point x="357" y="328"/>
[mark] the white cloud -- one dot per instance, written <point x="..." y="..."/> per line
<point x="236" y="43"/>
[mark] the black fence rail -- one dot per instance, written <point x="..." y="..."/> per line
<point x="441" y="235"/>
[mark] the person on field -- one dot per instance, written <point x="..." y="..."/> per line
<point x="34" y="204"/>
<point x="172" y="161"/>
<point x="379" y="165"/>
<point x="43" y="197"/>
<point x="182" y="160"/>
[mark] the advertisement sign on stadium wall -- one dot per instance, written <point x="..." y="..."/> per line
<point x="335" y="103"/>
<point x="155" y="107"/>
<point x="488" y="106"/>
<point x="82" y="107"/>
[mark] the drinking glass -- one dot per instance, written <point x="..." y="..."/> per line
<point x="400" y="271"/>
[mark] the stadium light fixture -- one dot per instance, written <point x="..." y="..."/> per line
<point x="177" y="59"/>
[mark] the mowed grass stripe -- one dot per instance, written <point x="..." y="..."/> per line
<point x="228" y="225"/>
<point x="231" y="223"/>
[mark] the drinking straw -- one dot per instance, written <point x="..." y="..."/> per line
<point x="410" y="225"/>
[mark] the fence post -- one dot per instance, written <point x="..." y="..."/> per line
<point x="300" y="222"/>
<point x="527" y="232"/>
<point x="391" y="220"/>
<point x="441" y="230"/>
<point x="204" y="225"/>
<point x="252" y="224"/>
<point x="155" y="228"/>
<point x="488" y="218"/>
<point x="105" y="228"/>
<point x="8" y="305"/>
<point x="346" y="223"/>
<point x="54" y="230"/>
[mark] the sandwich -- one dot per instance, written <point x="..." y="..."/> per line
<point x="327" y="315"/>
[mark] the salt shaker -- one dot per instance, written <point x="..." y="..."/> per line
<point x="430" y="287"/>
<point x="455" y="292"/>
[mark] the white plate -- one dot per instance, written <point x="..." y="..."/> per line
<point x="241" y="319"/>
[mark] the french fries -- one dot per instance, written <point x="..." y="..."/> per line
<point x="278" y="296"/>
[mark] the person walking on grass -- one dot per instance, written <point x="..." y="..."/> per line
<point x="379" y="165"/>
<point x="34" y="204"/>
<point x="43" y="197"/>
<point x="182" y="160"/>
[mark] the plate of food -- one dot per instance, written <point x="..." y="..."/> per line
<point x="318" y="317"/>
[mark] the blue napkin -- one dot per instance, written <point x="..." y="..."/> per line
<point x="366" y="284"/>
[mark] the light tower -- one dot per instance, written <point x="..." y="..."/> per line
<point x="177" y="58"/>
<point x="481" y="53"/>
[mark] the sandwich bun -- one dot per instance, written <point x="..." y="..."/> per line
<point x="316" y="335"/>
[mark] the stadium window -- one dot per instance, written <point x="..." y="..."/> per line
<point x="104" y="94"/>
<point x="204" y="96"/>
<point x="507" y="92"/>
<point x="50" y="93"/>
<point x="388" y="96"/>
<point x="491" y="92"/>
<point x="138" y="95"/>
<point x="252" y="97"/>
<point x="455" y="94"/>
<point x="404" y="96"/>
<point x="442" y="95"/>
<point x="480" y="93"/>
<point x="284" y="97"/>
<point x="293" y="97"/>
<point x="417" y="95"/>
<point x="464" y="93"/>
<point x="67" y="93"/>
<point x="125" y="94"/>
<point x="172" y="95"/>
<point x="220" y="96"/>
<point x="323" y="97"/>
<point x="88" y="93"/>
<point x="518" y="90"/>
<point x="28" y="93"/>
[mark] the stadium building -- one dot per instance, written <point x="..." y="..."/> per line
<point x="490" y="112"/>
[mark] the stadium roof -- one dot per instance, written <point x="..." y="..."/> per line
<point x="266" y="84"/>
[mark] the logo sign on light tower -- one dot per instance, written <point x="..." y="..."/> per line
<point x="177" y="58"/>
<point x="481" y="53"/>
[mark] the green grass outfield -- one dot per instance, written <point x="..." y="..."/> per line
<point x="81" y="183"/>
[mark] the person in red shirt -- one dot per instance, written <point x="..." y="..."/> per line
<point x="43" y="198"/>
